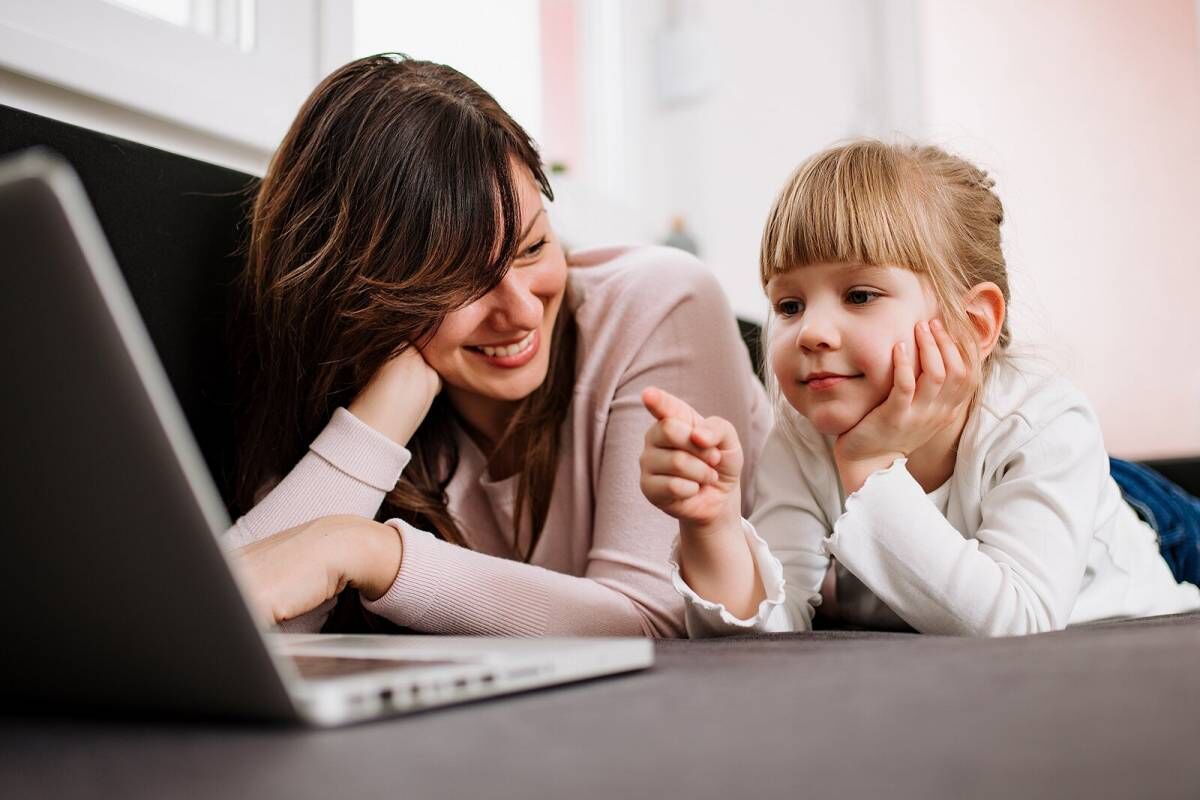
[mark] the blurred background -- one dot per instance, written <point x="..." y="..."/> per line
<point x="679" y="120"/>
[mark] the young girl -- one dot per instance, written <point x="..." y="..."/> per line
<point x="918" y="474"/>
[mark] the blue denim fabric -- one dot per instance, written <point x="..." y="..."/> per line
<point x="1173" y="513"/>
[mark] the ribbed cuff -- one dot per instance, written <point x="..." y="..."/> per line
<point x="360" y="451"/>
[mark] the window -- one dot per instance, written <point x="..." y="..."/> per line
<point x="238" y="69"/>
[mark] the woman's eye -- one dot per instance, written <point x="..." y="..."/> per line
<point x="860" y="297"/>
<point x="788" y="308"/>
<point x="535" y="248"/>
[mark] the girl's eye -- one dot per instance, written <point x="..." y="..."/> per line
<point x="788" y="307"/>
<point x="860" y="297"/>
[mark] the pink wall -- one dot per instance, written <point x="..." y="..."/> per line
<point x="1087" y="112"/>
<point x="562" y="113"/>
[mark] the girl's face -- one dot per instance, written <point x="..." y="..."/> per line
<point x="498" y="347"/>
<point x="832" y="332"/>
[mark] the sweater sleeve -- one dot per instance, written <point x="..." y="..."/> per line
<point x="786" y="537"/>
<point x="1023" y="570"/>
<point x="626" y="587"/>
<point x="348" y="469"/>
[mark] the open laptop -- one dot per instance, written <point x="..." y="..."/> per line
<point x="116" y="593"/>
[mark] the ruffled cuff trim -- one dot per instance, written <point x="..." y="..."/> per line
<point x="875" y="481"/>
<point x="769" y="570"/>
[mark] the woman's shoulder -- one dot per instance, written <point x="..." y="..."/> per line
<point x="653" y="308"/>
<point x="642" y="278"/>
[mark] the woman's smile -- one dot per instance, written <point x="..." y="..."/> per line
<point x="510" y="356"/>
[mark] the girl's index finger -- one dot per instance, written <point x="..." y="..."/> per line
<point x="663" y="404"/>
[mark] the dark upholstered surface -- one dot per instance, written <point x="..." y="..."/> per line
<point x="1111" y="711"/>
<point x="175" y="225"/>
<point x="1105" y="711"/>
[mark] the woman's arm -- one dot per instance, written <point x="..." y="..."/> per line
<point x="356" y="460"/>
<point x="626" y="587"/>
<point x="349" y="469"/>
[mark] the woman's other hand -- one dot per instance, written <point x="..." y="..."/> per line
<point x="399" y="395"/>
<point x="690" y="464"/>
<point x="293" y="572"/>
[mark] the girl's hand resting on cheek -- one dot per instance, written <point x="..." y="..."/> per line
<point x="399" y="395"/>
<point x="691" y="464"/>
<point x="916" y="408"/>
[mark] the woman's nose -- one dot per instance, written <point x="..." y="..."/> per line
<point x="516" y="306"/>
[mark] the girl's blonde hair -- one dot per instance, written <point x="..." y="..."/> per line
<point x="903" y="205"/>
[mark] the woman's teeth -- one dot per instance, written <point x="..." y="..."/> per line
<point x="509" y="350"/>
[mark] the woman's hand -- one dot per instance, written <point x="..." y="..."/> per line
<point x="691" y="465"/>
<point x="916" y="408"/>
<point x="398" y="396"/>
<point x="295" y="571"/>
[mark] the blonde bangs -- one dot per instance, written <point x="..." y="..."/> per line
<point x="851" y="204"/>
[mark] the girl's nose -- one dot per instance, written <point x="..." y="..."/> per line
<point x="818" y="332"/>
<point x="516" y="306"/>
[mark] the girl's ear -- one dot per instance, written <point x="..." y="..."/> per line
<point x="986" y="310"/>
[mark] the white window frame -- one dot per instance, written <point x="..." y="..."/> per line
<point x="157" y="68"/>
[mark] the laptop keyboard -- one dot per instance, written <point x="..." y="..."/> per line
<point x="312" y="667"/>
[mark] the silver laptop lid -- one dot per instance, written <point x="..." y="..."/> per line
<point x="117" y="594"/>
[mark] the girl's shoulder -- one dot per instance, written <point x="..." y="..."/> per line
<point x="1023" y="396"/>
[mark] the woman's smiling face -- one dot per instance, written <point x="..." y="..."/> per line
<point x="498" y="347"/>
<point x="832" y="332"/>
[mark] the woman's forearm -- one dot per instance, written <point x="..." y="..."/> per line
<point x="443" y="588"/>
<point x="348" y="470"/>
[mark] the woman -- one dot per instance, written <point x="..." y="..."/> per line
<point x="423" y="354"/>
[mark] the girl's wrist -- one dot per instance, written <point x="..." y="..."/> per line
<point x="726" y="524"/>
<point x="854" y="472"/>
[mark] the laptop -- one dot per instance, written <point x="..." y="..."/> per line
<point x="117" y="594"/>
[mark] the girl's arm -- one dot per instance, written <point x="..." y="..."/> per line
<point x="1022" y="571"/>
<point x="785" y="536"/>
<point x="691" y="469"/>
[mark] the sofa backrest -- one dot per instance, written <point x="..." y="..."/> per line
<point x="175" y="226"/>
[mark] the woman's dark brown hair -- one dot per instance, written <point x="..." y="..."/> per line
<point x="391" y="202"/>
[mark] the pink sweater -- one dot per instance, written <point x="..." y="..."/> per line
<point x="646" y="316"/>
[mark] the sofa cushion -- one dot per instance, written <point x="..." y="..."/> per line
<point x="175" y="226"/>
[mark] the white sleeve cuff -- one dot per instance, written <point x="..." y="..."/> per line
<point x="705" y="618"/>
<point x="848" y="528"/>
